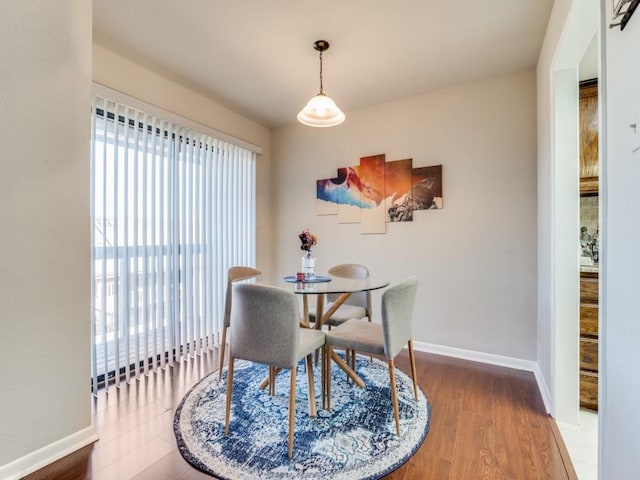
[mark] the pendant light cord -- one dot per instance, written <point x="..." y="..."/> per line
<point x="321" y="92"/>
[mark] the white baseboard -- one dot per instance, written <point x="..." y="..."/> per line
<point x="544" y="390"/>
<point x="48" y="454"/>
<point x="491" y="359"/>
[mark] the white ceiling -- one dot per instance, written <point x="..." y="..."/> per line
<point x="257" y="56"/>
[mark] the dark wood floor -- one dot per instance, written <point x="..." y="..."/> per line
<point x="487" y="423"/>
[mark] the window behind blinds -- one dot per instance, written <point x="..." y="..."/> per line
<point x="172" y="209"/>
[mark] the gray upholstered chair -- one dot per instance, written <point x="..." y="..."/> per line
<point x="386" y="339"/>
<point x="265" y="329"/>
<point x="233" y="274"/>
<point x="358" y="305"/>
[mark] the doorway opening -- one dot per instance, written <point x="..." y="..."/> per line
<point x="575" y="356"/>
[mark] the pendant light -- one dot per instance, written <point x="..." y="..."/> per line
<point x="321" y="110"/>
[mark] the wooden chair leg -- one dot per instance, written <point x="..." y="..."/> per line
<point x="292" y="409"/>
<point x="328" y="373"/>
<point x="222" y="348"/>
<point x="312" y="387"/>
<point x="413" y="370"/>
<point x="394" y="394"/>
<point x="371" y="354"/>
<point x="323" y="371"/>
<point x="265" y="383"/>
<point x="347" y="360"/>
<point x="324" y="377"/>
<point x="272" y="381"/>
<point x="229" y="392"/>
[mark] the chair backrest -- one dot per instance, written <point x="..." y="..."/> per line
<point x="352" y="270"/>
<point x="397" y="311"/>
<point x="265" y="325"/>
<point x="234" y="274"/>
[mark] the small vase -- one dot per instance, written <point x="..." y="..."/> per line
<point x="309" y="266"/>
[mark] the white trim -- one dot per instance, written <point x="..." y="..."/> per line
<point x="491" y="359"/>
<point x="120" y="97"/>
<point x="48" y="454"/>
<point x="542" y="388"/>
<point x="604" y="447"/>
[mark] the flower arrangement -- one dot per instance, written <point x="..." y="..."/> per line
<point x="307" y="240"/>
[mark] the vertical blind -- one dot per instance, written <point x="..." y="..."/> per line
<point x="172" y="209"/>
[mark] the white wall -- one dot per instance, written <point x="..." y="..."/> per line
<point x="124" y="75"/>
<point x="566" y="225"/>
<point x="44" y="233"/>
<point x="620" y="325"/>
<point x="44" y="207"/>
<point x="475" y="258"/>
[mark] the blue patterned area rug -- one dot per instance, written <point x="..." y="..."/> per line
<point x="355" y="440"/>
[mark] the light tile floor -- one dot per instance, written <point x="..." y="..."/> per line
<point x="582" y="443"/>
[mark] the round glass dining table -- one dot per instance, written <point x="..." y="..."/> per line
<point x="321" y="285"/>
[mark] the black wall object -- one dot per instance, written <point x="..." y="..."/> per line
<point x="624" y="14"/>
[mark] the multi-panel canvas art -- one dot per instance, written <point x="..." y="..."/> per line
<point x="376" y="192"/>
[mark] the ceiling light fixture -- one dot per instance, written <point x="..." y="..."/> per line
<point x="321" y="111"/>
